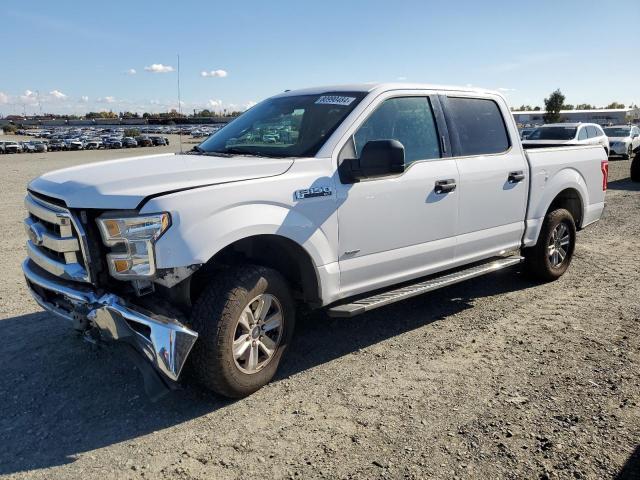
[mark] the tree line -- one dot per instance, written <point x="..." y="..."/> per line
<point x="556" y="102"/>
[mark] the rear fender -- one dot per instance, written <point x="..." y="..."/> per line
<point x="544" y="190"/>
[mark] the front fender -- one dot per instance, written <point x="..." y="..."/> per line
<point x="191" y="240"/>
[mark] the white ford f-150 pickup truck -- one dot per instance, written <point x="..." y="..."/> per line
<point x="346" y="198"/>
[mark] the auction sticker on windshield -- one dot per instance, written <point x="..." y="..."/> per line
<point x="334" y="100"/>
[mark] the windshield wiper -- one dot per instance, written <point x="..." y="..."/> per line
<point x="240" y="151"/>
<point x="230" y="152"/>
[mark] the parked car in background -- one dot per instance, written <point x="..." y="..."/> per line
<point x="12" y="147"/>
<point x="93" y="145"/>
<point x="623" y="139"/>
<point x="525" y="132"/>
<point x="567" y="134"/>
<point x="57" y="145"/>
<point x="113" y="143"/>
<point x="129" y="142"/>
<point x="76" y="145"/>
<point x="144" y="141"/>
<point x="39" y="147"/>
<point x="158" y="141"/>
<point x="27" y="147"/>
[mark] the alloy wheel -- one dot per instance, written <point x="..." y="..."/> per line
<point x="558" y="247"/>
<point x="258" y="333"/>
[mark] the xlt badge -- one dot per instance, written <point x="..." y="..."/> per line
<point x="313" y="192"/>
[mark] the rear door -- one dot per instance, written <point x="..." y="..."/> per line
<point x="493" y="176"/>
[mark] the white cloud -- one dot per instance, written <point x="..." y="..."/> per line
<point x="214" y="103"/>
<point x="57" y="94"/>
<point x="214" y="73"/>
<point x="401" y="79"/>
<point x="84" y="99"/>
<point x="131" y="71"/>
<point x="249" y="104"/>
<point x="108" y="99"/>
<point x="4" y="98"/>
<point x="159" y="68"/>
<point x="29" y="97"/>
<point x="505" y="90"/>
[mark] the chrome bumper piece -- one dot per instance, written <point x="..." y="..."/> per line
<point x="164" y="342"/>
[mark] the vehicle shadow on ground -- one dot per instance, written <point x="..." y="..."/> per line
<point x="631" y="469"/>
<point x="62" y="397"/>
<point x="624" y="184"/>
<point x="320" y="339"/>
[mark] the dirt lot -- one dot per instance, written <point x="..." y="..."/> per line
<point x="496" y="378"/>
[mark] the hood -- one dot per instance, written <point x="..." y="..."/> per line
<point x="123" y="184"/>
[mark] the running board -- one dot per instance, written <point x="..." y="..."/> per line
<point x="391" y="296"/>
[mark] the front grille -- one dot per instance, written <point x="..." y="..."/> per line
<point x="57" y="242"/>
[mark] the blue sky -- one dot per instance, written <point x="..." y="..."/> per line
<point x="78" y="56"/>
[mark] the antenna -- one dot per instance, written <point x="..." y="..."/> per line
<point x="179" y="105"/>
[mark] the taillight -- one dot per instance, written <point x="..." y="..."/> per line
<point x="604" y="166"/>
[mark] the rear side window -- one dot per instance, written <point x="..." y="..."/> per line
<point x="480" y="126"/>
<point x="584" y="134"/>
<point x="409" y="120"/>
<point x="593" y="131"/>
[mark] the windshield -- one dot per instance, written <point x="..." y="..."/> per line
<point x="295" y="126"/>
<point x="553" y="133"/>
<point x="617" y="132"/>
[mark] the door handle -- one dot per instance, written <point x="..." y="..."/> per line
<point x="445" y="186"/>
<point x="515" y="177"/>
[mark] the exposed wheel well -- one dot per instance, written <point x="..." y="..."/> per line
<point x="569" y="199"/>
<point x="273" y="251"/>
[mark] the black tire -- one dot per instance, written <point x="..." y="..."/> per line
<point x="215" y="317"/>
<point x="537" y="258"/>
<point x="629" y="153"/>
<point x="635" y="168"/>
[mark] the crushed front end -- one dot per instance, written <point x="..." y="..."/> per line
<point x="67" y="276"/>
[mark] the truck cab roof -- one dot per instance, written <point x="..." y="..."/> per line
<point x="383" y="87"/>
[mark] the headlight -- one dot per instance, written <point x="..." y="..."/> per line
<point x="132" y="240"/>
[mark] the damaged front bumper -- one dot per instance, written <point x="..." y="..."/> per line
<point x="164" y="342"/>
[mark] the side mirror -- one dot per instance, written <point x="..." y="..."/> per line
<point x="378" y="158"/>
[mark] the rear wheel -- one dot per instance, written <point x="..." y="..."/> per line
<point x="245" y="319"/>
<point x="551" y="256"/>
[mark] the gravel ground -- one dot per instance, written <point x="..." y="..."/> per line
<point x="498" y="377"/>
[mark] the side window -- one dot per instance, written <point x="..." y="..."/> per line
<point x="593" y="131"/>
<point x="583" y="135"/>
<point x="409" y="120"/>
<point x="480" y="125"/>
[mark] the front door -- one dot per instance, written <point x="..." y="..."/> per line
<point x="398" y="227"/>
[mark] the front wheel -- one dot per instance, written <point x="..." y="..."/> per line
<point x="629" y="153"/>
<point x="551" y="256"/>
<point x="245" y="320"/>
